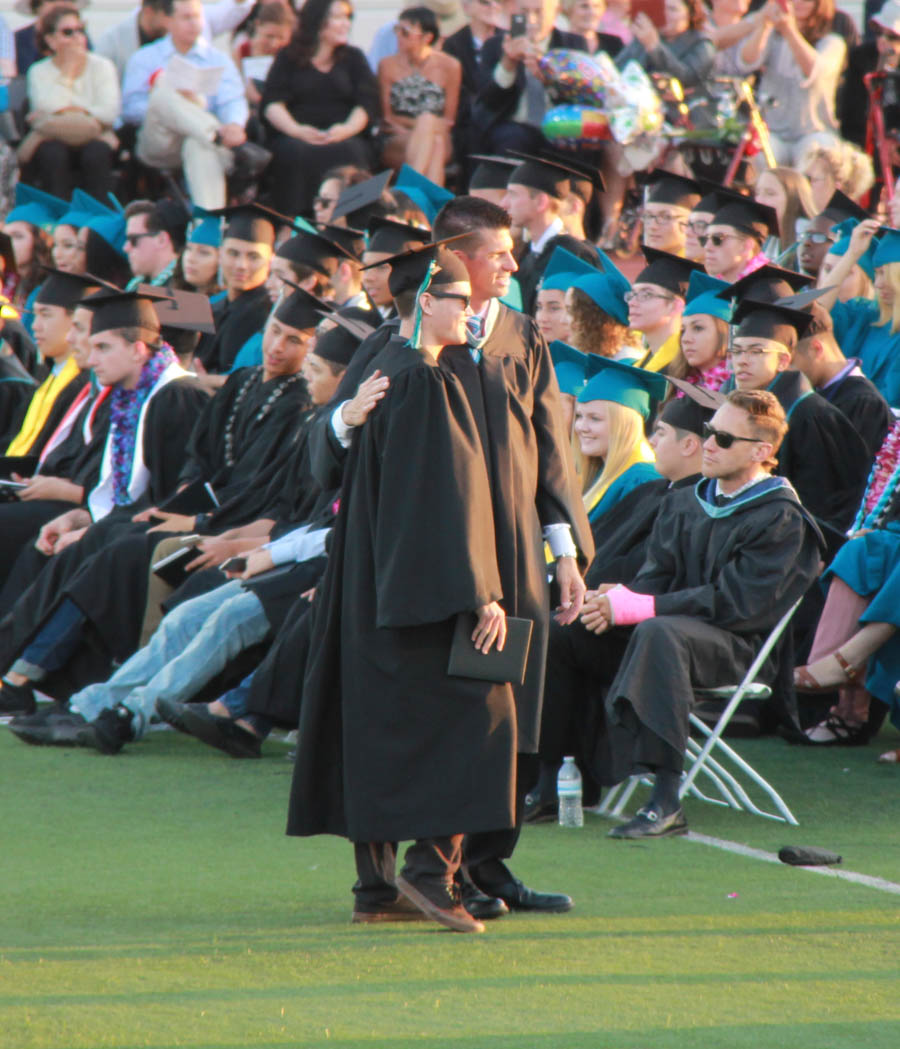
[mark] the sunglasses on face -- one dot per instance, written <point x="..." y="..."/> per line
<point x="716" y="239"/>
<point x="464" y="299"/>
<point x="816" y="238"/>
<point x="70" y="31"/>
<point x="723" y="438"/>
<point x="135" y="238"/>
<point x="323" y="202"/>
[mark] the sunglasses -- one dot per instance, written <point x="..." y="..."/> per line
<point x="464" y="299"/>
<point x="716" y="239"/>
<point x="723" y="438"/>
<point x="135" y="238"/>
<point x="72" y="31"/>
<point x="817" y="238"/>
<point x="324" y="202"/>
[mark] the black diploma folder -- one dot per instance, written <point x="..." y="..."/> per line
<point x="508" y="665"/>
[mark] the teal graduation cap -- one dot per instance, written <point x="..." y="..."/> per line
<point x="104" y="221"/>
<point x="606" y="288"/>
<point x="563" y="268"/>
<point x="570" y="366"/>
<point x="842" y="245"/>
<point x="37" y="207"/>
<point x="703" y="297"/>
<point x="205" y="229"/>
<point x="888" y="249"/>
<point x="621" y="383"/>
<point x="80" y="208"/>
<point x="428" y="196"/>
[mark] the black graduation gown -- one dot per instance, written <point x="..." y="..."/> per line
<point x="532" y="264"/>
<point x="60" y="406"/>
<point x="723" y="572"/>
<point x="15" y="335"/>
<point x="861" y="401"/>
<point x="16" y="389"/>
<point x="822" y="455"/>
<point x="37" y="583"/>
<point x="236" y="320"/>
<point x="406" y="751"/>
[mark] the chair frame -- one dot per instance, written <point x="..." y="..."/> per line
<point x="703" y="759"/>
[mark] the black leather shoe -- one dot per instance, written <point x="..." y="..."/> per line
<point x="478" y="903"/>
<point x="519" y="897"/>
<point x="649" y="822"/>
<point x="16" y="700"/>
<point x="250" y="160"/>
<point x="221" y="733"/>
<point x="539" y="811"/>
<point x="109" y="731"/>
<point x="172" y="713"/>
<point x="58" y="728"/>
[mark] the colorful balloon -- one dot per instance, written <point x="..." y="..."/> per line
<point x="575" y="125"/>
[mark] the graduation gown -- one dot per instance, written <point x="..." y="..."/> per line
<point x="533" y="263"/>
<point x="61" y="404"/>
<point x="863" y="405"/>
<point x="16" y="389"/>
<point x="390" y="746"/>
<point x="822" y="455"/>
<point x="236" y="320"/>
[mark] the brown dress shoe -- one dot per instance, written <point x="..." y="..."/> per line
<point x="440" y="902"/>
<point x="399" y="910"/>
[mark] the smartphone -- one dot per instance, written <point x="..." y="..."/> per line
<point x="235" y="564"/>
<point x="517" y="26"/>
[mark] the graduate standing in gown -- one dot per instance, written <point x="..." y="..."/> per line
<point x="409" y="752"/>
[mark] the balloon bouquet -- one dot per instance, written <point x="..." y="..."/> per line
<point x="598" y="102"/>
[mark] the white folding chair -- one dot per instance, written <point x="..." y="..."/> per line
<point x="715" y="759"/>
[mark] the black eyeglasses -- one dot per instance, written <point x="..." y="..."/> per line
<point x="324" y="202"/>
<point x="464" y="299"/>
<point x="72" y="31"/>
<point x="134" y="238"/>
<point x="717" y="239"/>
<point x="723" y="438"/>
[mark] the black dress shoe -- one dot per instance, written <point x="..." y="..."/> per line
<point x="519" y="897"/>
<point x="172" y="713"/>
<point x="221" y="733"/>
<point x="537" y="810"/>
<point x="57" y="728"/>
<point x="650" y="822"/>
<point x="478" y="903"/>
<point x="16" y="700"/>
<point x="109" y="731"/>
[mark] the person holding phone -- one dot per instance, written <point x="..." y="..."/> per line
<point x="801" y="59"/>
<point x="678" y="47"/>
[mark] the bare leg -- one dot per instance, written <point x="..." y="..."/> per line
<point x="425" y="147"/>
<point x="832" y="670"/>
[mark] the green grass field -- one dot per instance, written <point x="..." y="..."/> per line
<point x="152" y="899"/>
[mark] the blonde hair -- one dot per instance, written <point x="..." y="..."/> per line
<point x="891" y="313"/>
<point x="627" y="445"/>
<point x="848" y="165"/>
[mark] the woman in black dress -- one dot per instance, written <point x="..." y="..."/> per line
<point x="319" y="101"/>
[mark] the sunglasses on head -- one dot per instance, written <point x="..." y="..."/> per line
<point x="723" y="438"/>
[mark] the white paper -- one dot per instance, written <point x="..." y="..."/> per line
<point x="184" y="76"/>
<point x="257" y="68"/>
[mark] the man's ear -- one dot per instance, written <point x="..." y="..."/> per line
<point x="762" y="451"/>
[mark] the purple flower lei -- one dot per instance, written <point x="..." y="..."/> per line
<point x="124" y="411"/>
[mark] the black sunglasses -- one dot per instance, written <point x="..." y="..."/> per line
<point x="718" y="239"/>
<point x="72" y="31"/>
<point x="464" y="299"/>
<point x="134" y="238"/>
<point x="723" y="438"/>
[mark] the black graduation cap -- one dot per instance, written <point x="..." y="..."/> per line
<point x="359" y="202"/>
<point x="251" y="222"/>
<point x="388" y="235"/>
<point x="584" y="179"/>
<point x="338" y="344"/>
<point x="351" y="241"/>
<point x="668" y="271"/>
<point x="491" y="172"/>
<point x="125" y="309"/>
<point x="663" y="187"/>
<point x="300" y="309"/>
<point x="690" y="412"/>
<point x="766" y="284"/>
<point x="67" y="289"/>
<point x="408" y="268"/>
<point x="185" y="311"/>
<point x="546" y="175"/>
<point x="746" y="215"/>
<point x="841" y="207"/>
<point x="7" y="254"/>
<point x="771" y="321"/>
<point x="313" y="250"/>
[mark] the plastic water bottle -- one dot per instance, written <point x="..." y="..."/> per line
<point x="568" y="790"/>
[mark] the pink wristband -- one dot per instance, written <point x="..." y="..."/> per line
<point x="628" y="607"/>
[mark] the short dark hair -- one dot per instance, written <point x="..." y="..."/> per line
<point x="767" y="419"/>
<point x="151" y="339"/>
<point x="405" y="303"/>
<point x="469" y="215"/>
<point x="162" y="217"/>
<point x="164" y="7"/>
<point x="50" y="18"/>
<point x="424" y="18"/>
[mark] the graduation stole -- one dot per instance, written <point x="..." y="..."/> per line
<point x="655" y="362"/>
<point x="592" y="497"/>
<point x="706" y="494"/>
<point x="40" y="407"/>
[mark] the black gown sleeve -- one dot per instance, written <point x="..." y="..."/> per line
<point x="171" y="416"/>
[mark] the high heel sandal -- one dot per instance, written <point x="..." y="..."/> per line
<point x="804" y="681"/>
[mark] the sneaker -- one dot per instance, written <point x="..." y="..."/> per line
<point x="16" y="700"/>
<point x="109" y="731"/>
<point x="441" y="903"/>
<point x="399" y="910"/>
<point x="649" y="822"/>
<point x="50" y="728"/>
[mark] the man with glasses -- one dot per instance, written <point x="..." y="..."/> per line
<point x="655" y="304"/>
<point x="667" y="208"/>
<point x="723" y="564"/>
<point x="818" y="237"/>
<point x="823" y="455"/>
<point x="733" y="241"/>
<point x="154" y="234"/>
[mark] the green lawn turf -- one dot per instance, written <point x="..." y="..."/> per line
<point x="152" y="899"/>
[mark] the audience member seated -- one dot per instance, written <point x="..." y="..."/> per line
<point x="668" y="202"/>
<point x="333" y="184"/>
<point x="25" y="225"/>
<point x="154" y="235"/>
<point x="73" y="101"/>
<point x="734" y="238"/>
<point x="789" y="194"/>
<point x="320" y="102"/>
<point x="838" y="167"/>
<point x="178" y="126"/>
<point x="150" y="22"/>
<point x="820" y="234"/>
<point x="800" y="59"/>
<point x="679" y="49"/>
<point x="701" y="358"/>
<point x="271" y="26"/>
<point x="199" y="261"/>
<point x="655" y="304"/>
<point x="419" y="90"/>
<point x="858" y="284"/>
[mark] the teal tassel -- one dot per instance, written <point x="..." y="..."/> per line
<point x="416" y="339"/>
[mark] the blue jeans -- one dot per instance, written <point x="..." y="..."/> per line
<point x="192" y="644"/>
<point x="55" y="643"/>
<point x="236" y="701"/>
